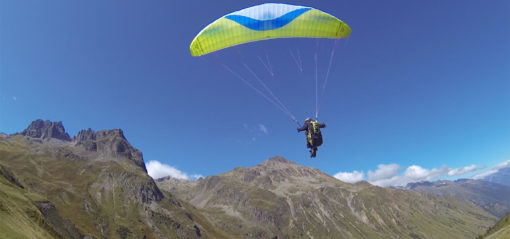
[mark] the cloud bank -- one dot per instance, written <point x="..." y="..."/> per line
<point x="156" y="170"/>
<point x="460" y="171"/>
<point x="493" y="170"/>
<point x="387" y="175"/>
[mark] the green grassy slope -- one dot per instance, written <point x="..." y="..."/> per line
<point x="28" y="214"/>
<point x="501" y="230"/>
<point x="20" y="218"/>
<point x="98" y="196"/>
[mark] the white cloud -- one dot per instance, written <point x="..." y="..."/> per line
<point x="460" y="171"/>
<point x="384" y="171"/>
<point x="393" y="181"/>
<point x="388" y="174"/>
<point x="416" y="173"/>
<point x="385" y="175"/>
<point x="156" y="170"/>
<point x="485" y="174"/>
<point x="504" y="164"/>
<point x="196" y="176"/>
<point x="353" y="177"/>
<point x="263" y="128"/>
<point x="493" y="170"/>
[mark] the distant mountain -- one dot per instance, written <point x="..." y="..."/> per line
<point x="176" y="186"/>
<point x="493" y="197"/>
<point x="502" y="176"/>
<point x="93" y="185"/>
<point x="281" y="199"/>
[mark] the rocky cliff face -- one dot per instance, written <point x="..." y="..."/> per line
<point x="46" y="130"/>
<point x="110" y="143"/>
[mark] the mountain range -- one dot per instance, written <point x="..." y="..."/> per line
<point x="501" y="176"/>
<point x="95" y="185"/>
<point x="493" y="197"/>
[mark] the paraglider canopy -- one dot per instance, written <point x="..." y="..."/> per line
<point x="267" y="21"/>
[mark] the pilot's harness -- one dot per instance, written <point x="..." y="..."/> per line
<point x="316" y="130"/>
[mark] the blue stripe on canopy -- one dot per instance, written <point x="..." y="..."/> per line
<point x="265" y="25"/>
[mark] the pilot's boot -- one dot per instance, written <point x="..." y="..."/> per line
<point x="313" y="152"/>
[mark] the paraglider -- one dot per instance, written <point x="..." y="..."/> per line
<point x="270" y="21"/>
<point x="267" y="21"/>
<point x="313" y="135"/>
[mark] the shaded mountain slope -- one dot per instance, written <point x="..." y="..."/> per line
<point x="280" y="199"/>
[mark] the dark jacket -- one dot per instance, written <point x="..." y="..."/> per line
<point x="313" y="138"/>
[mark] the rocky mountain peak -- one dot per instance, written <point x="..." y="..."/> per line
<point x="111" y="143"/>
<point x="278" y="161"/>
<point x="46" y="130"/>
<point x="111" y="133"/>
<point x="285" y="168"/>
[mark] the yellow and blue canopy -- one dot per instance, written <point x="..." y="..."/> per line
<point x="267" y="21"/>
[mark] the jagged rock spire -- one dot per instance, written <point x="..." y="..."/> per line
<point x="46" y="130"/>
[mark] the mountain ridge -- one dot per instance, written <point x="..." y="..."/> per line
<point x="95" y="182"/>
<point x="297" y="201"/>
<point x="492" y="197"/>
<point x="501" y="176"/>
<point x="95" y="185"/>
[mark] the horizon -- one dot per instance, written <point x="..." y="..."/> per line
<point x="420" y="90"/>
<point x="384" y="176"/>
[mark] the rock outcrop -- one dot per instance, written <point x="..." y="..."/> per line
<point x="110" y="143"/>
<point x="46" y="130"/>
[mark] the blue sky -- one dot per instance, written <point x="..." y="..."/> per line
<point x="418" y="83"/>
